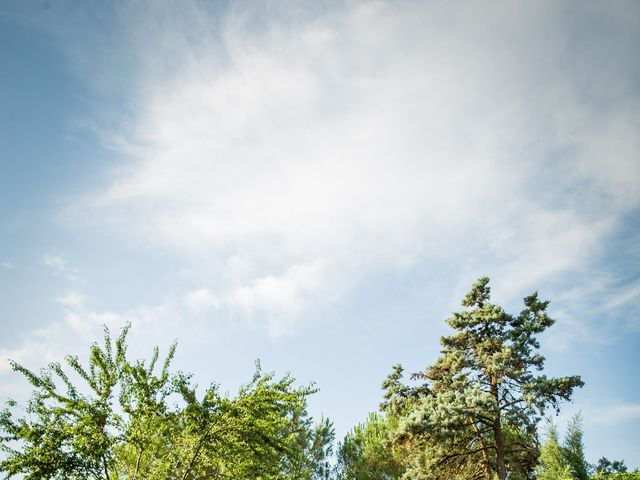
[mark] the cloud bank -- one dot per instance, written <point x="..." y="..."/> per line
<point x="291" y="154"/>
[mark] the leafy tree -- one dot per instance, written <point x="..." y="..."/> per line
<point x="606" y="466"/>
<point x="573" y="449"/>
<point x="635" y="475"/>
<point x="607" y="469"/>
<point x="481" y="401"/>
<point x="132" y="420"/>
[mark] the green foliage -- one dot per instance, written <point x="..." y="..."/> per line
<point x="573" y="449"/>
<point x="472" y="415"/>
<point x="130" y="422"/>
<point x="607" y="469"/>
<point x="606" y="466"/>
<point x="553" y="463"/>
<point x="635" y="475"/>
<point x="478" y="407"/>
<point x="367" y="453"/>
<point x="568" y="461"/>
<point x="313" y="448"/>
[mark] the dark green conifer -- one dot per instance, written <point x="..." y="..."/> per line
<point x="485" y="395"/>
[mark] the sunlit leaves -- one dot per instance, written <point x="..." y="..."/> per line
<point x="131" y="419"/>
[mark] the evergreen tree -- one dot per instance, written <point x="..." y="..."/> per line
<point x="482" y="399"/>
<point x="367" y="453"/>
<point x="573" y="449"/>
<point x="314" y="448"/>
<point x="553" y="464"/>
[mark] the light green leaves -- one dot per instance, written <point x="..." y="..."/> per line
<point x="133" y="420"/>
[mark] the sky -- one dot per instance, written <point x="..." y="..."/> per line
<point x="318" y="184"/>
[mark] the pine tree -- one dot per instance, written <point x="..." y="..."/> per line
<point x="483" y="398"/>
<point x="366" y="453"/>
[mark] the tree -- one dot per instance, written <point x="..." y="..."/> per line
<point x="573" y="449"/>
<point x="481" y="401"/>
<point x="635" y="475"/>
<point x="606" y="466"/>
<point x="314" y="448"/>
<point x="553" y="463"/>
<point x="607" y="469"/>
<point x="131" y="420"/>
<point x="367" y="452"/>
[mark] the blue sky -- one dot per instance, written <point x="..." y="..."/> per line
<point x="318" y="184"/>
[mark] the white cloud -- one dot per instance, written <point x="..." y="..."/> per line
<point x="7" y="265"/>
<point x="615" y="414"/>
<point x="83" y="323"/>
<point x="598" y="294"/>
<point x="281" y="298"/>
<point x="275" y="299"/>
<point x="370" y="136"/>
<point x="80" y="326"/>
<point x="59" y="266"/>
<point x="202" y="298"/>
<point x="54" y="261"/>
<point x="630" y="294"/>
<point x="281" y="292"/>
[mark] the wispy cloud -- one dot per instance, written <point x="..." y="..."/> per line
<point x="202" y="299"/>
<point x="275" y="299"/>
<point x="59" y="266"/>
<point x="628" y="294"/>
<point x="82" y="324"/>
<point x="7" y="265"/>
<point x="616" y="414"/>
<point x="54" y="261"/>
<point x="373" y="135"/>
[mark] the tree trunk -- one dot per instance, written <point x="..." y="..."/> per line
<point x="485" y="454"/>
<point x="497" y="432"/>
<point x="500" y="460"/>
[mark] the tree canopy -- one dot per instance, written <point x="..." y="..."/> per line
<point x="472" y="414"/>
<point x="476" y="411"/>
<point x="137" y="420"/>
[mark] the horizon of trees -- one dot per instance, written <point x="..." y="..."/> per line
<point x="474" y="414"/>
